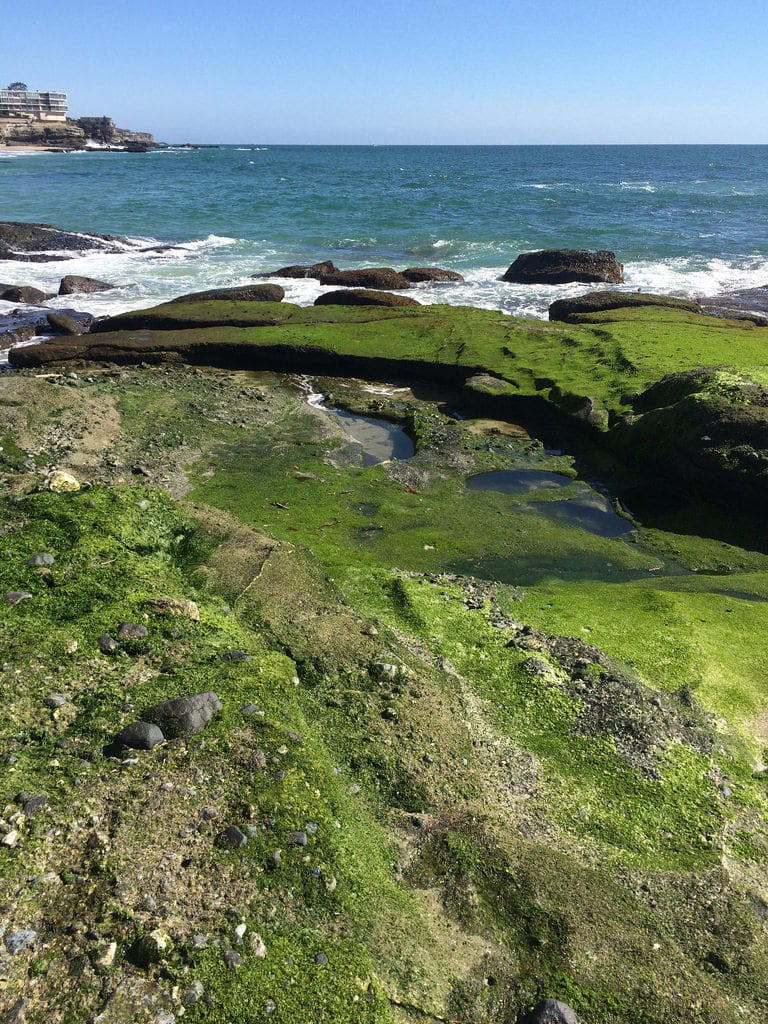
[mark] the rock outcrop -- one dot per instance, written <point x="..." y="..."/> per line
<point x="418" y="275"/>
<point x="34" y="243"/>
<point x="597" y="302"/>
<point x="363" y="297"/>
<point x="367" y="277"/>
<point x="24" y="293"/>
<point x="74" y="285"/>
<point x="299" y="270"/>
<point x="244" y="293"/>
<point x="565" y="266"/>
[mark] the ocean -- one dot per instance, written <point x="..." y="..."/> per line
<point x="688" y="220"/>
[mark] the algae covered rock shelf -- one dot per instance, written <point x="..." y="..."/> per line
<point x="470" y="749"/>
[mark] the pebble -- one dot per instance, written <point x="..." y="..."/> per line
<point x="10" y="839"/>
<point x="270" y="1006"/>
<point x="131" y="631"/>
<point x="194" y="993"/>
<point x="311" y="827"/>
<point x="55" y="700"/>
<point x="17" y="596"/>
<point x="321" y="958"/>
<point x="249" y="709"/>
<point x="107" y="644"/>
<point x="258" y="946"/>
<point x="140" y="736"/>
<point x="44" y="558"/>
<point x="232" y="959"/>
<point x="234" y="837"/>
<point x="19" y="940"/>
<point x="240" y="932"/>
<point x="298" y="838"/>
<point x="236" y="655"/>
<point x="200" y="942"/>
<point x="31" y="804"/>
<point x="164" y="1017"/>
<point x="276" y="858"/>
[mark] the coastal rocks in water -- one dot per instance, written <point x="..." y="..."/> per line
<point x="24" y="293"/>
<point x="314" y="270"/>
<point x="565" y="266"/>
<point x="551" y="1011"/>
<point x="246" y="293"/>
<point x="140" y="736"/>
<point x="10" y="336"/>
<point x="185" y="716"/>
<point x="61" y="323"/>
<point x="74" y="285"/>
<point x="417" y="275"/>
<point x="597" y="302"/>
<point x="368" y="277"/>
<point x="43" y="242"/>
<point x="750" y="301"/>
<point x="363" y="297"/>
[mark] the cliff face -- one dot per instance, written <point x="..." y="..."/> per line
<point x="70" y="134"/>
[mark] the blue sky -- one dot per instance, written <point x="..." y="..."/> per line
<point x="422" y="71"/>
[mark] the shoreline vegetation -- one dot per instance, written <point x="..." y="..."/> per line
<point x="298" y="730"/>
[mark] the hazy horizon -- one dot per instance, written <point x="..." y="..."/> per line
<point x="515" y="72"/>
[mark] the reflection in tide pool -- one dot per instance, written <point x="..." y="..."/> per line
<point x="517" y="481"/>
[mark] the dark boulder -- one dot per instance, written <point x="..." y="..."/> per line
<point x="61" y="323"/>
<point x="368" y="277"/>
<point x="184" y="716"/>
<point x="72" y="284"/>
<point x="245" y="293"/>
<point x="314" y="270"/>
<point x="15" y="335"/>
<point x="24" y="293"/>
<point x="36" y="242"/>
<point x="550" y="1011"/>
<point x="565" y="266"/>
<point x="418" y="274"/>
<point x="363" y="297"/>
<point x="598" y="302"/>
<point x="140" y="736"/>
<point x="131" y="631"/>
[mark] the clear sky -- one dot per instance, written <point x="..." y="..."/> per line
<point x="421" y="71"/>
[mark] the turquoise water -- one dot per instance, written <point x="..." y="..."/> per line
<point x="684" y="219"/>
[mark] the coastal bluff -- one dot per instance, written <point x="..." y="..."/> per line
<point x="72" y="134"/>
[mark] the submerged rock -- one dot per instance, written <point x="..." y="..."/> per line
<point x="364" y="297"/>
<point x="367" y="277"/>
<point x="72" y="285"/>
<point x="563" y="266"/>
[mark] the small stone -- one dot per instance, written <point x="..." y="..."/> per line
<point x="551" y="1011"/>
<point x="107" y="644"/>
<point x="270" y="1006"/>
<point x="55" y="700"/>
<point x="19" y="940"/>
<point x="232" y="959"/>
<point x="32" y="804"/>
<point x="60" y="482"/>
<point x="140" y="736"/>
<point x="185" y="716"/>
<point x="383" y="670"/>
<point x="194" y="993"/>
<point x="276" y="858"/>
<point x="72" y="646"/>
<point x="321" y="958"/>
<point x="234" y="837"/>
<point x="10" y="839"/>
<point x="174" y="606"/>
<point x="236" y="655"/>
<point x="165" y="1017"/>
<point x="279" y="775"/>
<point x="249" y="709"/>
<point x="17" y="596"/>
<point x="298" y="838"/>
<point x="108" y="957"/>
<point x="389" y="714"/>
<point x="131" y="631"/>
<point x="311" y="827"/>
<point x="370" y="630"/>
<point x="239" y="933"/>
<point x="258" y="946"/>
<point x="208" y="813"/>
<point x="200" y="941"/>
<point x="44" y="558"/>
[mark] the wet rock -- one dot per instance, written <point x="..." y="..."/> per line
<point x="107" y="644"/>
<point x="61" y="323"/>
<point x="131" y="631"/>
<point x="17" y="596"/>
<point x="10" y="336"/>
<point x="44" y="558"/>
<point x="61" y="482"/>
<point x="19" y="940"/>
<point x="245" y="293"/>
<point x="597" y="302"/>
<point x="550" y="1011"/>
<point x="314" y="270"/>
<point x="185" y="716"/>
<point x="368" y="277"/>
<point x="22" y="238"/>
<point x="72" y="284"/>
<point x="24" y="293"/>
<point x="420" y="274"/>
<point x="363" y="297"/>
<point x="234" y="837"/>
<point x="563" y="266"/>
<point x="140" y="736"/>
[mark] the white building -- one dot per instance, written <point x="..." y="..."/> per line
<point x="39" y="106"/>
